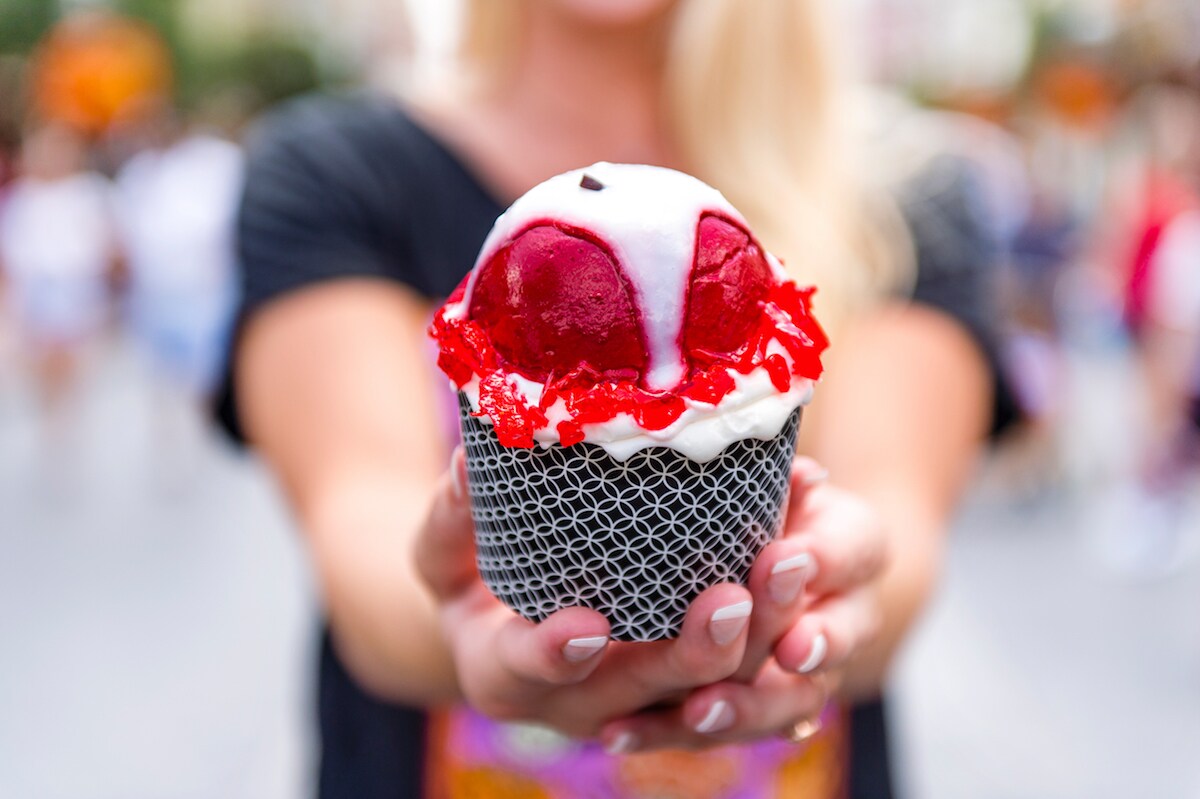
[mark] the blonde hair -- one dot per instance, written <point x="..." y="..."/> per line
<point x="757" y="107"/>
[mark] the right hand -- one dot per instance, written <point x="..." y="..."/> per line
<point x="563" y="672"/>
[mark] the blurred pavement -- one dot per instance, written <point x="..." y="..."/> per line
<point x="1040" y="674"/>
<point x="156" y="623"/>
<point x="155" y="613"/>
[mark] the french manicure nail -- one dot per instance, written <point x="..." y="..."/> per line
<point x="788" y="578"/>
<point x="728" y="622"/>
<point x="816" y="477"/>
<point x="578" y="650"/>
<point x="719" y="717"/>
<point x="458" y="475"/>
<point x="820" y="647"/>
<point x="624" y="743"/>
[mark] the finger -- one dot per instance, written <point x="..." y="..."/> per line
<point x="445" y="544"/>
<point x="779" y="576"/>
<point x="562" y="650"/>
<point x="807" y="472"/>
<point x="630" y="677"/>
<point x="722" y="714"/>
<point x="506" y="662"/>
<point x="844" y="536"/>
<point x="777" y="582"/>
<point x="709" y="648"/>
<point x="829" y="634"/>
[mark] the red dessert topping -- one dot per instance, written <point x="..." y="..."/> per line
<point x="554" y="298"/>
<point x="554" y="306"/>
<point x="729" y="280"/>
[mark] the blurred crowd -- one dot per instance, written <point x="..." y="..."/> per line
<point x="117" y="203"/>
<point x="1079" y="121"/>
<point x="119" y="182"/>
<point x="1083" y="119"/>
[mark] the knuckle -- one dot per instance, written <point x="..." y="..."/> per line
<point x="808" y="698"/>
<point x="547" y="667"/>
<point x="497" y="708"/>
<point x="880" y="550"/>
<point x="873" y="549"/>
<point x="873" y="626"/>
<point x="699" y="667"/>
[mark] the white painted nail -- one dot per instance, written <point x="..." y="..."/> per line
<point x="624" y="743"/>
<point x="789" y="576"/>
<point x="820" y="647"/>
<point x="816" y="477"/>
<point x="727" y="623"/>
<point x="458" y="476"/>
<point x="578" y="650"/>
<point x="719" y="717"/>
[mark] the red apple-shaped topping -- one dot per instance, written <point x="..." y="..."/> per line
<point x="730" y="278"/>
<point x="554" y="299"/>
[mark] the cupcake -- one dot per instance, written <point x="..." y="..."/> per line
<point x="631" y="368"/>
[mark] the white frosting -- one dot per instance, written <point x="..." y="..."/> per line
<point x="647" y="216"/>
<point x="753" y="409"/>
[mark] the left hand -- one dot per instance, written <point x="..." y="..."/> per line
<point x="815" y="607"/>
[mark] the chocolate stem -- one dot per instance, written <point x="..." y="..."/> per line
<point x="590" y="183"/>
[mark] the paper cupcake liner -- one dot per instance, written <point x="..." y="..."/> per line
<point x="636" y="540"/>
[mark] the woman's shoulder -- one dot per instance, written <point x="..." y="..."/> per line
<point x="345" y="133"/>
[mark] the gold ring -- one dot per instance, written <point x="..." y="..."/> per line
<point x="801" y="731"/>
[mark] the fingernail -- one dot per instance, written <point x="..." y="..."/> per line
<point x="788" y="578"/>
<point x="578" y="650"/>
<point x="728" y="622"/>
<point x="820" y="646"/>
<point x="816" y="477"/>
<point x="624" y="743"/>
<point x="719" y="717"/>
<point x="458" y="474"/>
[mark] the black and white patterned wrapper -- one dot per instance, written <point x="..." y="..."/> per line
<point x="636" y="540"/>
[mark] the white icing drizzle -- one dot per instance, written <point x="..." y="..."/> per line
<point x="647" y="216"/>
<point x="754" y="409"/>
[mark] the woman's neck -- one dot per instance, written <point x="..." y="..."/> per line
<point x="598" y="89"/>
<point x="575" y="94"/>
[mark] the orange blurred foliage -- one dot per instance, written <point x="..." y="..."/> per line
<point x="95" y="69"/>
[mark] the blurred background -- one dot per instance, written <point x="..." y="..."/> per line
<point x="156" y="612"/>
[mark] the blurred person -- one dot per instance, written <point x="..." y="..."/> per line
<point x="1159" y="277"/>
<point x="1033" y="347"/>
<point x="57" y="252"/>
<point x="360" y="213"/>
<point x="175" y="203"/>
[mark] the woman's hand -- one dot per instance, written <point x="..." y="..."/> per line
<point x="564" y="672"/>
<point x="826" y="564"/>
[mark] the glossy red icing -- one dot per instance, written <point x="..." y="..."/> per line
<point x="531" y="309"/>
<point x="554" y="298"/>
<point x="729" y="280"/>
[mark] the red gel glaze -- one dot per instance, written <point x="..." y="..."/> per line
<point x="499" y="400"/>
<point x="553" y="298"/>
<point x="709" y="386"/>
<point x="594" y="392"/>
<point x="729" y="280"/>
<point x="777" y="368"/>
<point x="570" y="433"/>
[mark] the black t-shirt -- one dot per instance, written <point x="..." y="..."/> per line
<point x="352" y="186"/>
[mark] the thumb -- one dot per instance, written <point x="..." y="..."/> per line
<point x="807" y="474"/>
<point x="445" y="545"/>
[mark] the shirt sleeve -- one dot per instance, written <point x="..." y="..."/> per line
<point x="957" y="263"/>
<point x="304" y="215"/>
